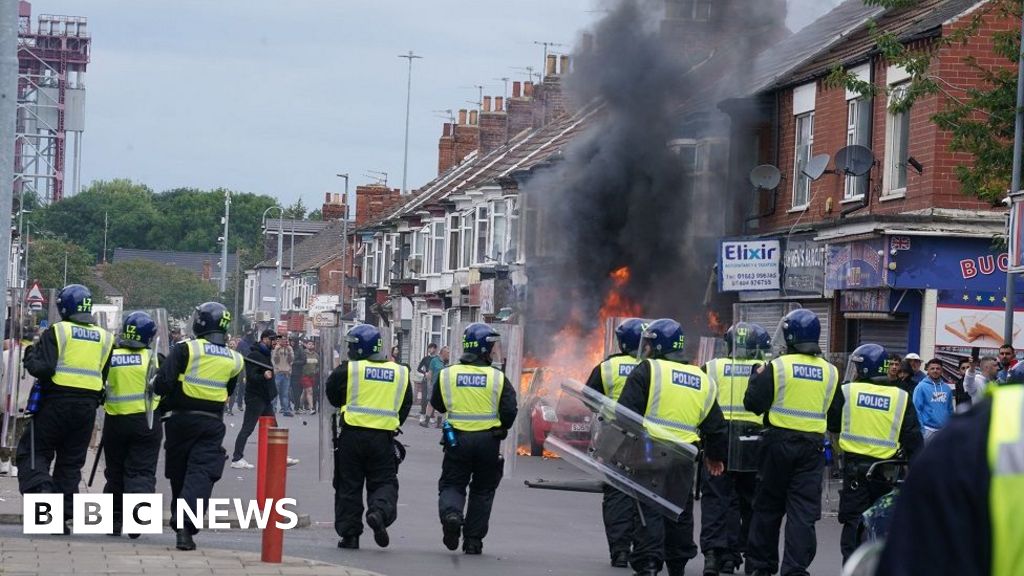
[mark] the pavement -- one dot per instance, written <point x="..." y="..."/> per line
<point x="532" y="532"/>
<point x="64" y="555"/>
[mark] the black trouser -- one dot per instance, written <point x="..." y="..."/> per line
<point x="658" y="539"/>
<point x="857" y="495"/>
<point x="237" y="399"/>
<point x="295" y="386"/>
<point x="364" y="457"/>
<point x="255" y="407"/>
<point x="475" y="463"/>
<point x="62" y="429"/>
<point x="194" y="459"/>
<point x="620" y="518"/>
<point x="789" y="484"/>
<point x="725" y="510"/>
<point x="130" y="453"/>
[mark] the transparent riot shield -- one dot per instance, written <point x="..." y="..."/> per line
<point x="331" y="350"/>
<point x="162" y="341"/>
<point x="619" y="449"/>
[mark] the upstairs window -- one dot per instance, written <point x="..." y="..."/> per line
<point x="897" y="145"/>
<point x="804" y="144"/>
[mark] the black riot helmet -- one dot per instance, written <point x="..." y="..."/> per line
<point x="210" y="321"/>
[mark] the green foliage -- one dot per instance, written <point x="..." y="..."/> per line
<point x="46" y="264"/>
<point x="317" y="215"/>
<point x="981" y="120"/>
<point x="296" y="211"/>
<point x="146" y="284"/>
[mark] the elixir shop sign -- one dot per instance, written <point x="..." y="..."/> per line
<point x="749" y="265"/>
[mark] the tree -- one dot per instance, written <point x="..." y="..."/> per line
<point x="981" y="119"/>
<point x="297" y="211"/>
<point x="316" y="215"/>
<point x="46" y="259"/>
<point x="146" y="284"/>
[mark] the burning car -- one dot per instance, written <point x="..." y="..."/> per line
<point x="552" y="412"/>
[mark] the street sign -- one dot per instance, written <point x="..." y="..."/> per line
<point x="35" y="295"/>
<point x="325" y="319"/>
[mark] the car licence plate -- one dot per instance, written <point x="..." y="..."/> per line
<point x="580" y="428"/>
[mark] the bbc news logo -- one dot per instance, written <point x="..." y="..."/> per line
<point x="144" y="514"/>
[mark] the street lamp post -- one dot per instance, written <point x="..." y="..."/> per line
<point x="344" y="250"/>
<point x="280" y="256"/>
<point x="224" y="248"/>
<point x="408" y="97"/>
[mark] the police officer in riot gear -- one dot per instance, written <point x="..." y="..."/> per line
<point x="608" y="378"/>
<point x="875" y="421"/>
<point x="130" y="448"/>
<point x="70" y="362"/>
<point x="677" y="400"/>
<point x="194" y="382"/>
<point x="726" y="505"/>
<point x="961" y="509"/>
<point x="794" y="393"/>
<point x="481" y="407"/>
<point x="374" y="399"/>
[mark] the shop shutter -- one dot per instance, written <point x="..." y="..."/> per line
<point x="892" y="334"/>
<point x="823" y="309"/>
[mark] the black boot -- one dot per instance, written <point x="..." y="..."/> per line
<point x="349" y="542"/>
<point x="729" y="563"/>
<point x="620" y="559"/>
<point x="676" y="568"/>
<point x="473" y="546"/>
<point x="452" y="527"/>
<point x="712" y="566"/>
<point x="375" y="520"/>
<point x="649" y="569"/>
<point x="185" y="541"/>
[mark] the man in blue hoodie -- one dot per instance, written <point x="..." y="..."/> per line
<point x="933" y="399"/>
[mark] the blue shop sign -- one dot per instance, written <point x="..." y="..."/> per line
<point x="955" y="264"/>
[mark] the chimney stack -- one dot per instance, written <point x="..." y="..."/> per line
<point x="333" y="208"/>
<point x="549" y="69"/>
<point x="446" y="149"/>
<point x="493" y="126"/>
<point x="516" y="87"/>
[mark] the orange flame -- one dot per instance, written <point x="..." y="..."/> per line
<point x="715" y="323"/>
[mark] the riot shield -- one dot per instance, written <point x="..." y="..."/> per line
<point x="618" y="449"/>
<point x="331" y="351"/>
<point x="162" y="341"/>
<point x="150" y="393"/>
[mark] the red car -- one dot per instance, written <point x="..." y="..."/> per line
<point x="552" y="412"/>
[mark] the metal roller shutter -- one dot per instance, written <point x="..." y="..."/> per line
<point x="892" y="334"/>
<point x="823" y="310"/>
<point x="768" y="314"/>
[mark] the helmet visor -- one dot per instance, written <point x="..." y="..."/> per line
<point x="852" y="370"/>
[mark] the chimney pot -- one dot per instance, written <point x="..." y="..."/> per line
<point x="563" y="67"/>
<point x="447" y="129"/>
<point x="528" y="89"/>
<point x="487" y="103"/>
<point x="327" y="197"/>
<point x="462" y="117"/>
<point x="499" y="104"/>
<point x="516" y="85"/>
<point x="551" y="64"/>
<point x="472" y="117"/>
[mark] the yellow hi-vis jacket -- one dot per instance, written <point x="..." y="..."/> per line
<point x="210" y="367"/>
<point x="731" y="376"/>
<point x="614" y="372"/>
<point x="82" y="351"/>
<point x="1006" y="490"/>
<point x="374" y="394"/>
<point x="804" y="388"/>
<point x="679" y="399"/>
<point x="872" y="419"/>
<point x="126" y="381"/>
<point x="471" y="395"/>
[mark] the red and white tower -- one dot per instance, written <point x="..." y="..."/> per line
<point x="51" y="103"/>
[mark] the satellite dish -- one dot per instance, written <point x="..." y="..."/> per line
<point x="765" y="177"/>
<point x="816" y="166"/>
<point x="855" y="160"/>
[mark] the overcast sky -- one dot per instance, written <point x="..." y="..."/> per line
<point x="277" y="97"/>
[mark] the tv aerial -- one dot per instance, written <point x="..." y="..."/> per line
<point x="855" y="160"/>
<point x="816" y="166"/>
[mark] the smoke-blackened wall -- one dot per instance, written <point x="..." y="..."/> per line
<point x="620" y="195"/>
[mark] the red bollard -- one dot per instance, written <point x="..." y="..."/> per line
<point x="277" y="455"/>
<point x="265" y="423"/>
